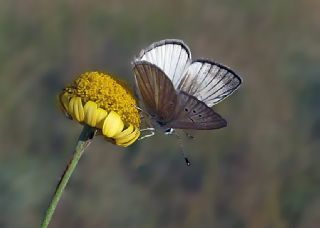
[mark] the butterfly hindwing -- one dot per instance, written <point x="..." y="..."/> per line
<point x="190" y="113"/>
<point x="156" y="89"/>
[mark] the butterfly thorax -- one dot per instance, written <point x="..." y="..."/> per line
<point x="160" y="125"/>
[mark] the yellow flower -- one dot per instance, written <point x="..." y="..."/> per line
<point x="105" y="103"/>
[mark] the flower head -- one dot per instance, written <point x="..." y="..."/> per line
<point x="105" y="103"/>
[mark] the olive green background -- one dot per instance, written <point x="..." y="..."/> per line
<point x="262" y="171"/>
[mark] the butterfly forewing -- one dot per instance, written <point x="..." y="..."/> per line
<point x="209" y="82"/>
<point x="190" y="113"/>
<point x="171" y="56"/>
<point x="156" y="89"/>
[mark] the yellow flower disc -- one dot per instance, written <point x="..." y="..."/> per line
<point x="105" y="103"/>
<point x="110" y="94"/>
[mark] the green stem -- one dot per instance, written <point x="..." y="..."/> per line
<point x="84" y="140"/>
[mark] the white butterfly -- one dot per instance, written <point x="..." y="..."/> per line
<point x="178" y="92"/>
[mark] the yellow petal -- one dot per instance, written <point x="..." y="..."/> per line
<point x="112" y="125"/>
<point x="64" y="100"/>
<point x="79" y="112"/>
<point x="133" y="137"/>
<point x="71" y="106"/>
<point x="101" y="116"/>
<point x="125" y="132"/>
<point x="76" y="109"/>
<point x="90" y="113"/>
<point x="128" y="137"/>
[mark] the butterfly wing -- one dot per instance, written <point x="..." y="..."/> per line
<point x="171" y="56"/>
<point x="156" y="90"/>
<point x="190" y="113"/>
<point x="209" y="82"/>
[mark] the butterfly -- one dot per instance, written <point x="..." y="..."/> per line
<point x="178" y="92"/>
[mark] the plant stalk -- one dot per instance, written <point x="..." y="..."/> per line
<point x="84" y="141"/>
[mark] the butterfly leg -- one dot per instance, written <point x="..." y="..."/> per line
<point x="148" y="129"/>
<point x="152" y="132"/>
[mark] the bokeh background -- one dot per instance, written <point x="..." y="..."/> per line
<point x="263" y="170"/>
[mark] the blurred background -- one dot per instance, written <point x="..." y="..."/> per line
<point x="261" y="171"/>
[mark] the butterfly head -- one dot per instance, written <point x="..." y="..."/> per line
<point x="169" y="131"/>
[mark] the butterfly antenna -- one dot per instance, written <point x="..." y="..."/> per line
<point x="188" y="135"/>
<point x="141" y="110"/>
<point x="182" y="150"/>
